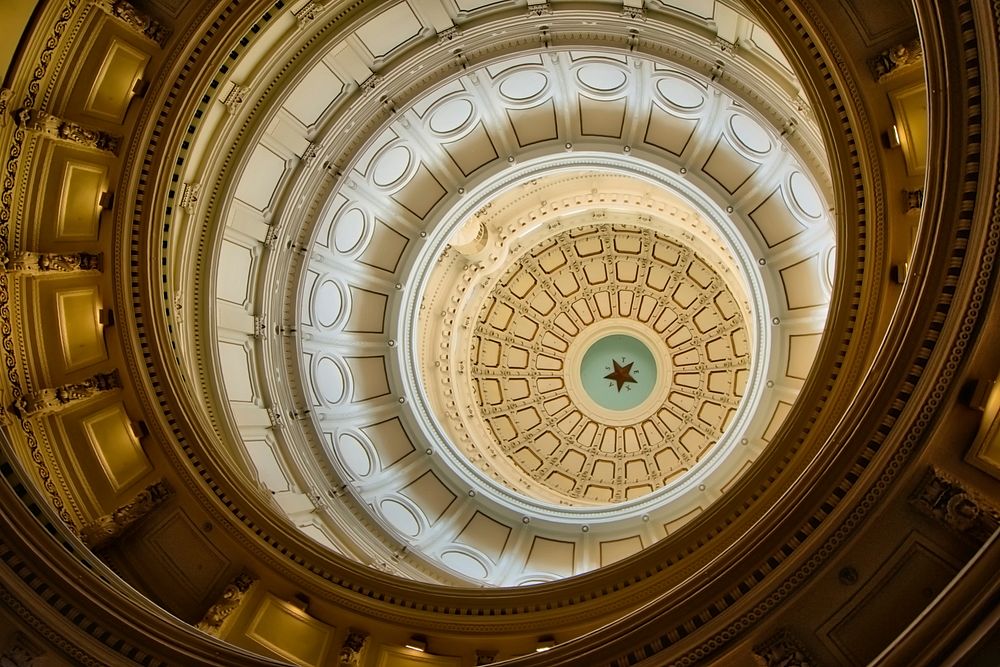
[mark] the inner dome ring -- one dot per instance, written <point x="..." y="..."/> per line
<point x="550" y="507"/>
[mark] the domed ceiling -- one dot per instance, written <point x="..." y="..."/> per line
<point x="537" y="320"/>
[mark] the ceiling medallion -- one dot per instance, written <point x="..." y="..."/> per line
<point x="606" y="362"/>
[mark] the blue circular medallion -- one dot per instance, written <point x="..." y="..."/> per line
<point x="618" y="372"/>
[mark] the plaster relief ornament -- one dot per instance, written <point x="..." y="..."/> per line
<point x="138" y="21"/>
<point x="901" y="55"/>
<point x="45" y="401"/>
<point x="946" y="499"/>
<point x="782" y="650"/>
<point x="104" y="530"/>
<point x="354" y="644"/>
<point x="43" y="122"/>
<point x="229" y="601"/>
<point x="36" y="263"/>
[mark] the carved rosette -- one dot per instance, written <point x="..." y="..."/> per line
<point x="782" y="650"/>
<point x="229" y="601"/>
<point x="101" y="532"/>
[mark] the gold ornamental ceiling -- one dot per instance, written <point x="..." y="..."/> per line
<point x="428" y="380"/>
<point x="605" y="361"/>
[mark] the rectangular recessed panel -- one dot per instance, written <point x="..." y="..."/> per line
<point x="79" y="201"/>
<point x="801" y="352"/>
<point x="781" y="411"/>
<point x="260" y="177"/>
<point x="390" y="656"/>
<point x="367" y="311"/>
<point x="535" y="124"/>
<point x="111" y="91"/>
<point x="701" y="8"/>
<point x="235" y="362"/>
<point x="614" y="550"/>
<point x="290" y="632"/>
<point x="235" y="265"/>
<point x="430" y="494"/>
<point x="552" y="556"/>
<point x="192" y="559"/>
<point x="602" y="118"/>
<point x="803" y="283"/>
<point x="80" y="333"/>
<point x="728" y="167"/>
<point x="390" y="441"/>
<point x="389" y="30"/>
<point x="385" y="248"/>
<point x="667" y="131"/>
<point x="775" y="221"/>
<point x="109" y="432"/>
<point x="421" y="193"/>
<point x="314" y="94"/>
<point x="485" y="534"/>
<point x="269" y="471"/>
<point x="369" y="377"/>
<point x="896" y="594"/>
<point x="473" y="150"/>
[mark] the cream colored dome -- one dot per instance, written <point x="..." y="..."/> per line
<point x="414" y="237"/>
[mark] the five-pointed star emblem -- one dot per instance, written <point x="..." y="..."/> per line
<point x="622" y="374"/>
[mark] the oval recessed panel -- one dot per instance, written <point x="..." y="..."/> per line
<point x="681" y="93"/>
<point x="602" y="78"/>
<point x="349" y="230"/>
<point x="354" y="455"/>
<point x="328" y="303"/>
<point x="400" y="517"/>
<point x="523" y="85"/>
<point x="391" y="166"/>
<point x="464" y="564"/>
<point x="451" y="115"/>
<point x="330" y="381"/>
<point x="805" y="195"/>
<point x="750" y="134"/>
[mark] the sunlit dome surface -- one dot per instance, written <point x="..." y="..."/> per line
<point x="463" y="266"/>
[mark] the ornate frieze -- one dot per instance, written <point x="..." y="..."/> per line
<point x="353" y="646"/>
<point x="138" y="21"/>
<point x="53" y="126"/>
<point x="104" y="530"/>
<point x="49" y="400"/>
<point x="6" y="95"/>
<point x="229" y="601"/>
<point x="35" y="263"/>
<point x="889" y="61"/>
<point x="947" y="500"/>
<point x="782" y="650"/>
